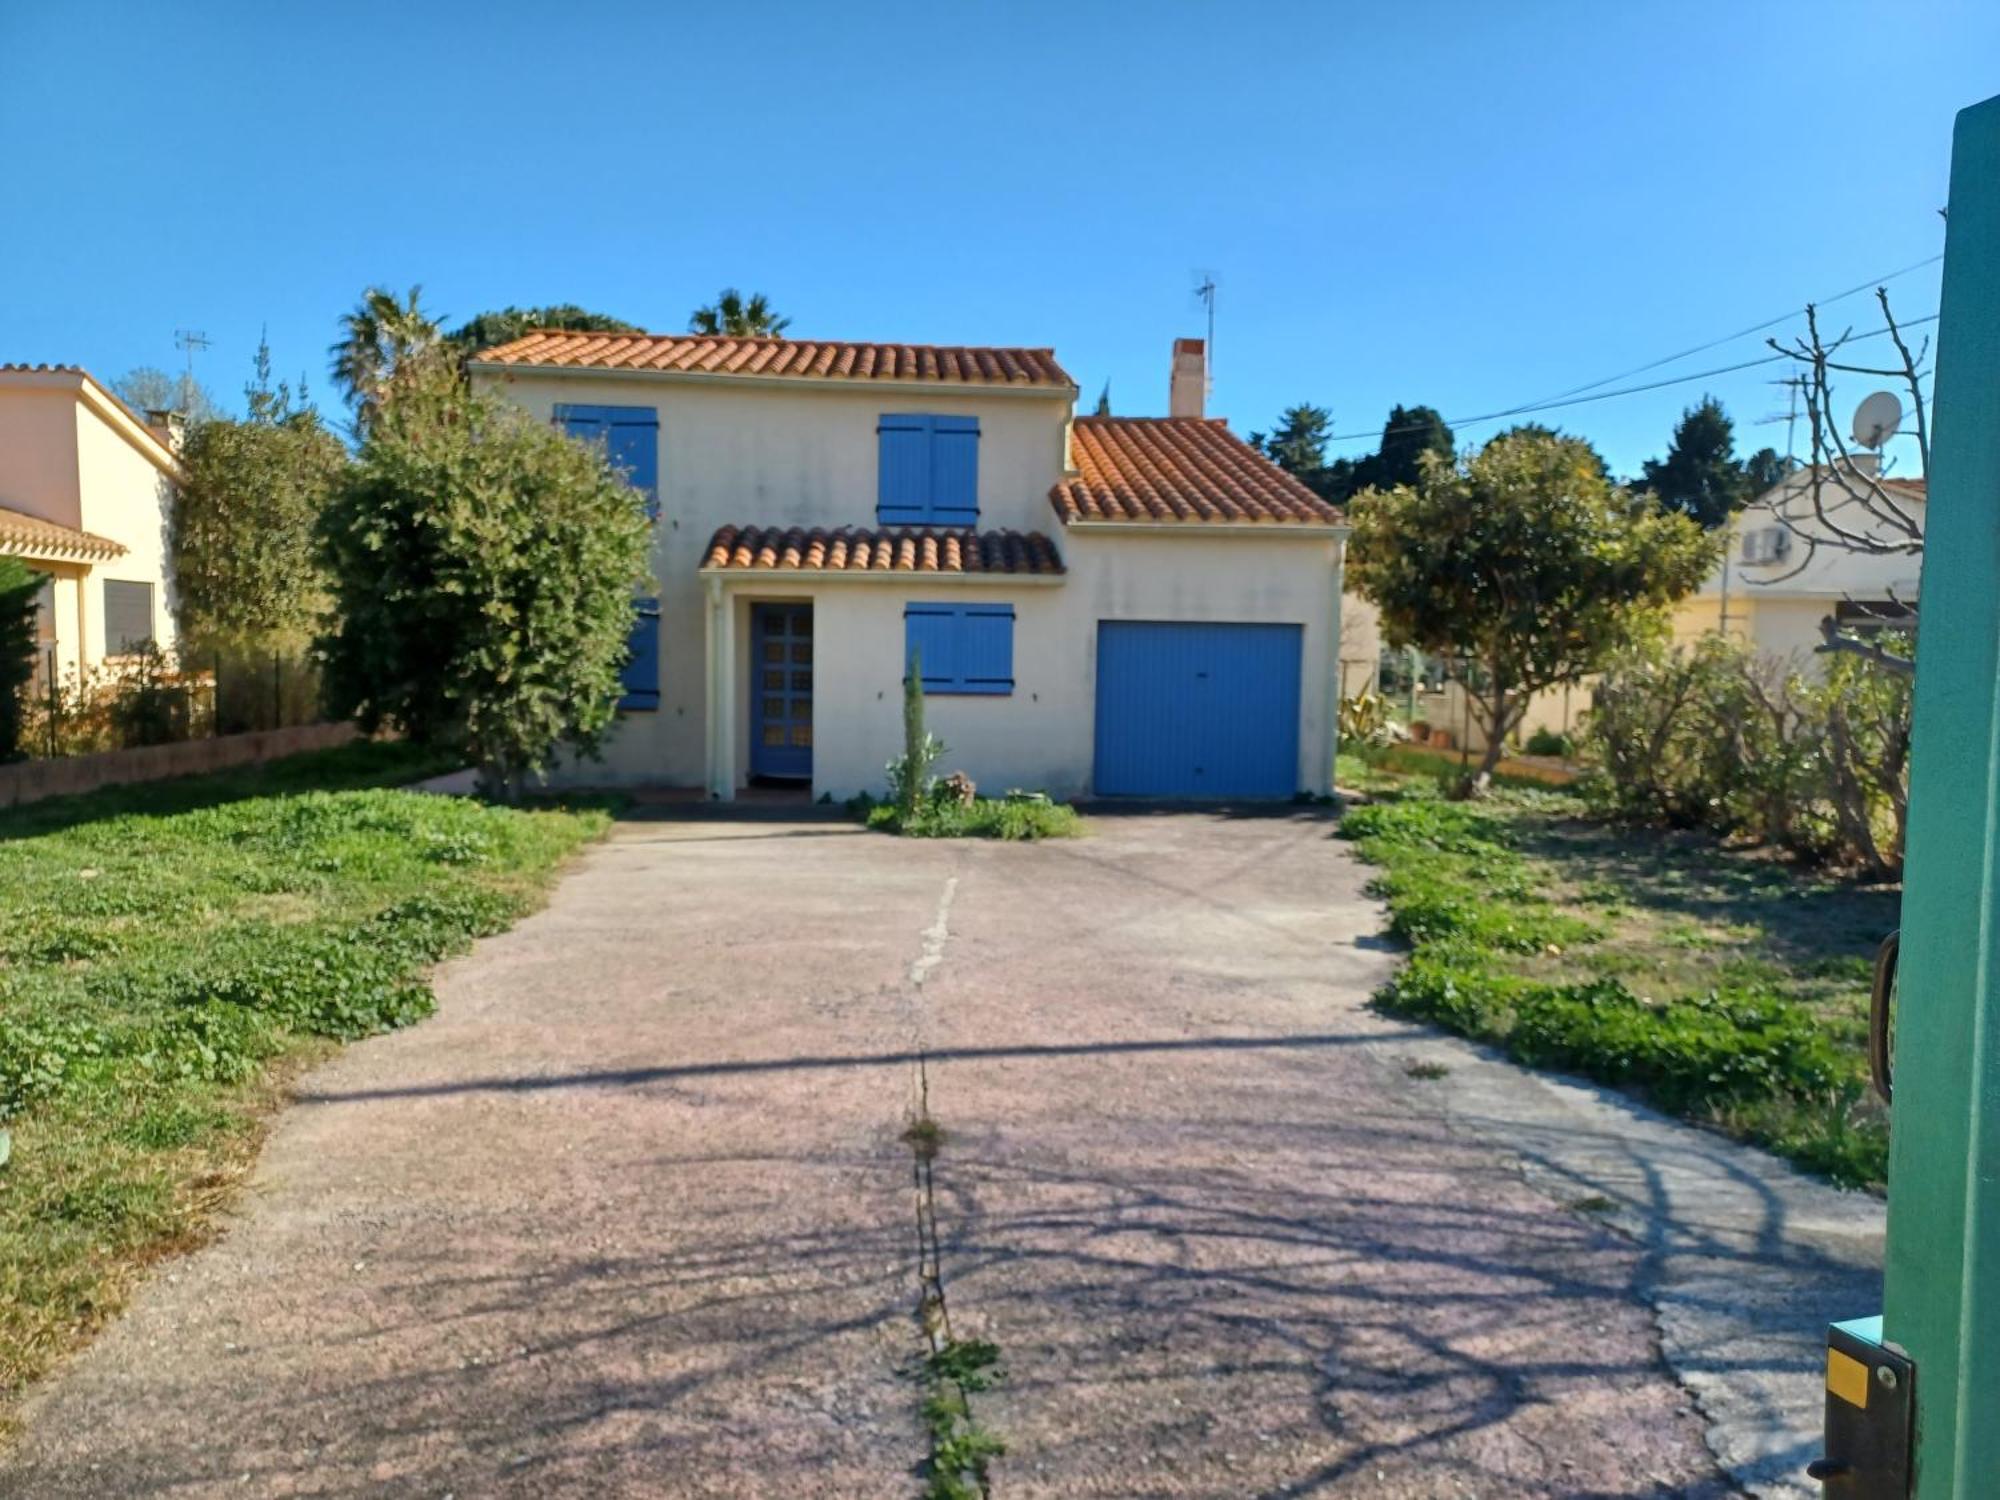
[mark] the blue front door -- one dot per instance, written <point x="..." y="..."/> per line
<point x="781" y="690"/>
<point x="1197" y="710"/>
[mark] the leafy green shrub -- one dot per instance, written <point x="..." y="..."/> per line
<point x="483" y="569"/>
<point x="20" y="589"/>
<point x="1546" y="741"/>
<point x="1718" y="737"/>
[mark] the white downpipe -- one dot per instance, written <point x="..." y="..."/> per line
<point x="712" y="699"/>
<point x="1333" y="666"/>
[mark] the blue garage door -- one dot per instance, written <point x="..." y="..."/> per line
<point x="1197" y="710"/>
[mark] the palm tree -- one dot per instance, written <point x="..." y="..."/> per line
<point x="379" y="338"/>
<point x="730" y="315"/>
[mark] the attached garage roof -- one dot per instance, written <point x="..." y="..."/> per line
<point x="790" y="359"/>
<point x="23" y="535"/>
<point x="1176" y="471"/>
<point x="853" y="551"/>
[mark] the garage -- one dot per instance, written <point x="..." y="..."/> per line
<point x="1190" y="710"/>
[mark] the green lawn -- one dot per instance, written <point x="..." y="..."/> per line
<point x="1721" y="984"/>
<point x="171" y="954"/>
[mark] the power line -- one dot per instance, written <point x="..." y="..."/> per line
<point x="1557" y="404"/>
<point x="1744" y="333"/>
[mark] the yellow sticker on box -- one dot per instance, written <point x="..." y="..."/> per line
<point x="1847" y="1378"/>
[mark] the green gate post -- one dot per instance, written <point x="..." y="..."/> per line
<point x="1942" y="1300"/>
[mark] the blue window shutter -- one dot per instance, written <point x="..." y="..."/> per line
<point x="987" y="654"/>
<point x="903" y="473"/>
<point x="641" y="675"/>
<point x="967" y="648"/>
<point x="633" y="445"/>
<point x="933" y="629"/>
<point x="631" y="438"/>
<point x="955" y="471"/>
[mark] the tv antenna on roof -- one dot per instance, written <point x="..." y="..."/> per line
<point x="189" y="340"/>
<point x="1204" y="292"/>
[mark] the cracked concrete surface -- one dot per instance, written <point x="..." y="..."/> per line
<point x="632" y="1214"/>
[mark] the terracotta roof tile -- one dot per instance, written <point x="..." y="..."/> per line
<point x="23" y="535"/>
<point x="1177" y="470"/>
<point x="896" y="549"/>
<point x="798" y="359"/>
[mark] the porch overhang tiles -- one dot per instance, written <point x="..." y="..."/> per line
<point x="32" y="537"/>
<point x="862" y="553"/>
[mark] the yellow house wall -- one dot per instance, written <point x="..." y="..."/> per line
<point x="127" y="498"/>
<point x="38" y="453"/>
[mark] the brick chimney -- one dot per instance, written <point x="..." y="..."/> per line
<point x="1187" y="393"/>
<point x="170" y="427"/>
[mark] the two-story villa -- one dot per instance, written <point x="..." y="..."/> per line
<point x="1115" y="606"/>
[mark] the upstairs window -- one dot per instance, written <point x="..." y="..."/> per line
<point x="961" y="648"/>
<point x="929" y="471"/>
<point x="631" y="438"/>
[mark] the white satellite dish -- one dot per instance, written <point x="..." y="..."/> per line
<point x="1876" y="420"/>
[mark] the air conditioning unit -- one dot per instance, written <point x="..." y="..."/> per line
<point x="1767" y="544"/>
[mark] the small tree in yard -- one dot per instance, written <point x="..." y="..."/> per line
<point x="910" y="772"/>
<point x="246" y="561"/>
<point x="1526" y="560"/>
<point x="20" y="590"/>
<point x="484" y="568"/>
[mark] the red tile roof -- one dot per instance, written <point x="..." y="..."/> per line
<point x="1176" y="470"/>
<point x="897" y="549"/>
<point x="23" y="535"/>
<point x="798" y="359"/>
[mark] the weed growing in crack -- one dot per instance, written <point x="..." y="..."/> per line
<point x="1416" y="1069"/>
<point x="924" y="1137"/>
<point x="961" y="1450"/>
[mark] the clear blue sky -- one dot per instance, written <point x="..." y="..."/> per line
<point x="1464" y="204"/>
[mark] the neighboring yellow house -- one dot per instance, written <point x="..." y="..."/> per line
<point x="1785" y="571"/>
<point x="86" y="490"/>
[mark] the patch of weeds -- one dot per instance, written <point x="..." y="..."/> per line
<point x="962" y="1451"/>
<point x="1684" y="983"/>
<point x="1022" y="817"/>
<point x="169" y="952"/>
<point x="1414" y="1068"/>
<point x="1593" y="1203"/>
<point x="924" y="1137"/>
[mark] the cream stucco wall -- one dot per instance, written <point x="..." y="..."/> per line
<point x="805" y="455"/>
<point x="1043" y="735"/>
<point x="799" y="455"/>
<point x="1776" y="607"/>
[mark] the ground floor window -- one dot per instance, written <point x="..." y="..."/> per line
<point x="961" y="648"/>
<point x="128" y="616"/>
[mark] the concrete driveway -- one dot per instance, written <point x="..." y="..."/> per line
<point x="633" y="1214"/>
